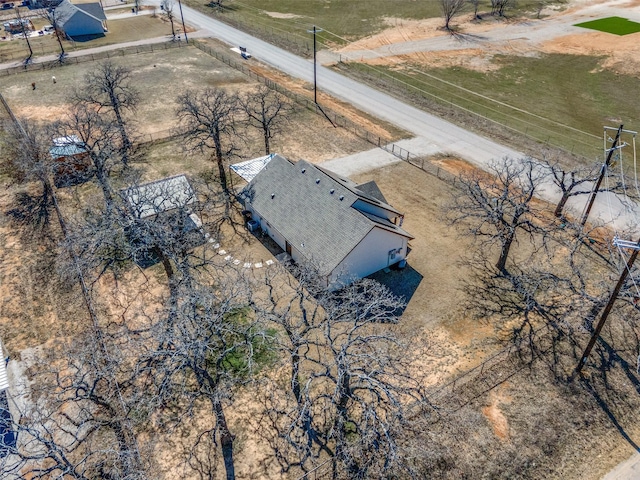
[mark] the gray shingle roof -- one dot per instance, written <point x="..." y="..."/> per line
<point x="93" y="9"/>
<point x="66" y="10"/>
<point x="312" y="209"/>
<point x="371" y="188"/>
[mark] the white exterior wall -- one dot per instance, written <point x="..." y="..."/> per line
<point x="374" y="209"/>
<point x="370" y="255"/>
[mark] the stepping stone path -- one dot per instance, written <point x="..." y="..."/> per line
<point x="229" y="257"/>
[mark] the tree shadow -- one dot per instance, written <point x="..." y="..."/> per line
<point x="30" y="210"/>
<point x="467" y="37"/>
<point x="602" y="403"/>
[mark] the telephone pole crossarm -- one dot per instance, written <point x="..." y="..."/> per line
<point x="626" y="244"/>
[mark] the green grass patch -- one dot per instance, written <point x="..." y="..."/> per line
<point x="615" y="25"/>
<point x="529" y="96"/>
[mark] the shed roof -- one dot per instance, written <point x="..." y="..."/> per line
<point x="67" y="147"/>
<point x="313" y="209"/>
<point x="250" y="168"/>
<point x="4" y="379"/>
<point x="159" y="196"/>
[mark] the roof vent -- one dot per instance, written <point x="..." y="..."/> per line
<point x="304" y="170"/>
<point x="332" y="191"/>
<point x="341" y="197"/>
<point x="317" y="180"/>
<point x="273" y="195"/>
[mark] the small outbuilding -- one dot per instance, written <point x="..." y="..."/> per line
<point x="72" y="162"/>
<point x="169" y="201"/>
<point x="346" y="230"/>
<point x="81" y="19"/>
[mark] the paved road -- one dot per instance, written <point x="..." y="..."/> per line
<point x="443" y="135"/>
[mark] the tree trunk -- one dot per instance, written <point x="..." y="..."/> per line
<point x="104" y="185"/>
<point x="226" y="440"/>
<point x="59" y="41"/>
<point x="502" y="261"/>
<point x="561" y="204"/>
<point x="266" y="142"/>
<point x="222" y="173"/>
<point x="126" y="143"/>
<point x="47" y="197"/>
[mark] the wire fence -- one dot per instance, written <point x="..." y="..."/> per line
<point x="92" y="57"/>
<point x="493" y="371"/>
<point x="324" y="470"/>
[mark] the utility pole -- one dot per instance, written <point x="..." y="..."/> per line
<point x="184" y="29"/>
<point x="612" y="299"/>
<point x="603" y="171"/>
<point x="315" y="66"/>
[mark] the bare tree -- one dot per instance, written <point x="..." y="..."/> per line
<point x="167" y="11"/>
<point x="266" y="110"/>
<point x="451" y="8"/>
<point x="25" y="34"/>
<point x="109" y="89"/>
<point x="206" y="344"/>
<point x="52" y="17"/>
<point x="78" y="419"/>
<point x="578" y="181"/>
<point x="27" y="149"/>
<point x="209" y="121"/>
<point x="497" y="204"/>
<point x="349" y="385"/>
<point x="498" y="7"/>
<point x="476" y="5"/>
<point x="98" y="137"/>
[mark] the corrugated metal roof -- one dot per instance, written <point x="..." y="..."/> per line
<point x="4" y="380"/>
<point x="160" y="196"/>
<point x="250" y="168"/>
<point x="67" y="147"/>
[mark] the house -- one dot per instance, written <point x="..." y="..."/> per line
<point x="347" y="231"/>
<point x="81" y="19"/>
<point x="166" y="202"/>
<point x="72" y="162"/>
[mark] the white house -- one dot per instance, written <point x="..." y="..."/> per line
<point x="347" y="231"/>
<point x="81" y="19"/>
